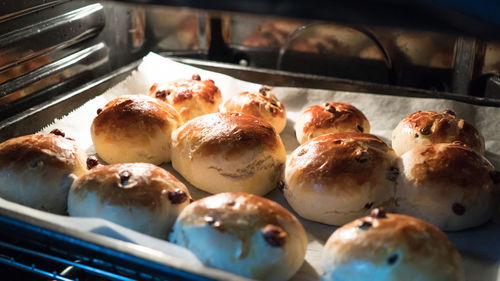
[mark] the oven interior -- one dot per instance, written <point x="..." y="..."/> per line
<point x="57" y="54"/>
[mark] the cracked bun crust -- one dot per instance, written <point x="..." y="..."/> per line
<point x="140" y="196"/>
<point x="244" y="234"/>
<point x="134" y="129"/>
<point x="38" y="170"/>
<point x="222" y="152"/>
<point x="428" y="127"/>
<point x="262" y="104"/>
<point x="390" y="247"/>
<point x="190" y="97"/>
<point x="448" y="185"/>
<point x="336" y="178"/>
<point x="330" y="117"/>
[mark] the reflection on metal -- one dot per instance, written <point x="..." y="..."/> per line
<point x="463" y="65"/>
<point x="354" y="31"/>
<point x="14" y="9"/>
<point x="137" y="27"/>
<point x="203" y="31"/>
<point x="493" y="87"/>
<point x="54" y="32"/>
<point x="95" y="55"/>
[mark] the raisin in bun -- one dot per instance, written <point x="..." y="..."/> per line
<point x="336" y="178"/>
<point x="223" y="152"/>
<point x="38" y="170"/>
<point x="448" y="185"/>
<point x="140" y="196"/>
<point x="262" y="104"/>
<point x="428" y="127"/>
<point x="331" y="117"/>
<point x="243" y="234"/>
<point x="390" y="247"/>
<point x="134" y="129"/>
<point x="190" y="97"/>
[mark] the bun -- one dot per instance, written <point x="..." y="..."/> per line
<point x="428" y="127"/>
<point x="223" y="152"/>
<point x="390" y="247"/>
<point x="244" y="234"/>
<point x="134" y="129"/>
<point x="262" y="104"/>
<point x="139" y="196"/>
<point x="190" y="97"/>
<point x="38" y="170"/>
<point x="448" y="185"/>
<point x="336" y="178"/>
<point x="331" y="117"/>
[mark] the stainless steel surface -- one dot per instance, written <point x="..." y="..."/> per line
<point x="473" y="18"/>
<point x="55" y="46"/>
<point x="464" y="64"/>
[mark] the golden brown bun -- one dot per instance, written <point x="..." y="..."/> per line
<point x="330" y="117"/>
<point x="448" y="185"/>
<point x="140" y="196"/>
<point x="134" y="129"/>
<point x="190" y="97"/>
<point x="428" y="127"/>
<point x="390" y="247"/>
<point x="38" y="170"/>
<point x="223" y="152"/>
<point x="262" y="104"/>
<point x="336" y="178"/>
<point x="244" y="234"/>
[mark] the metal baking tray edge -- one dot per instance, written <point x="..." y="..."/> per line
<point x="103" y="249"/>
<point x="35" y="118"/>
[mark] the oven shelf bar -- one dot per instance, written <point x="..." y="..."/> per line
<point x="13" y="263"/>
<point x="34" y="269"/>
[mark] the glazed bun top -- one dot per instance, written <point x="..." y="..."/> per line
<point x="340" y="157"/>
<point x="134" y="185"/>
<point x="450" y="163"/>
<point x="190" y="97"/>
<point x="262" y="104"/>
<point x="427" y="127"/>
<point x="239" y="213"/>
<point x="134" y="115"/>
<point x="404" y="244"/>
<point x="230" y="133"/>
<point x="330" y="117"/>
<point x="51" y="150"/>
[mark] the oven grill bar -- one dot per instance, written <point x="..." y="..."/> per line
<point x="11" y="261"/>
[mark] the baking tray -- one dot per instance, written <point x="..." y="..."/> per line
<point x="145" y="259"/>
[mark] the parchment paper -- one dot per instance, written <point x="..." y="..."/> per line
<point x="480" y="247"/>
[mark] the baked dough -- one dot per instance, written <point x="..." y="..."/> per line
<point x="335" y="178"/>
<point x="390" y="247"/>
<point x="134" y="129"/>
<point x="428" y="127"/>
<point x="448" y="185"/>
<point x="140" y="196"/>
<point x="222" y="152"/>
<point x="38" y="170"/>
<point x="262" y="104"/>
<point x="190" y="97"/>
<point x="243" y="234"/>
<point x="330" y="117"/>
